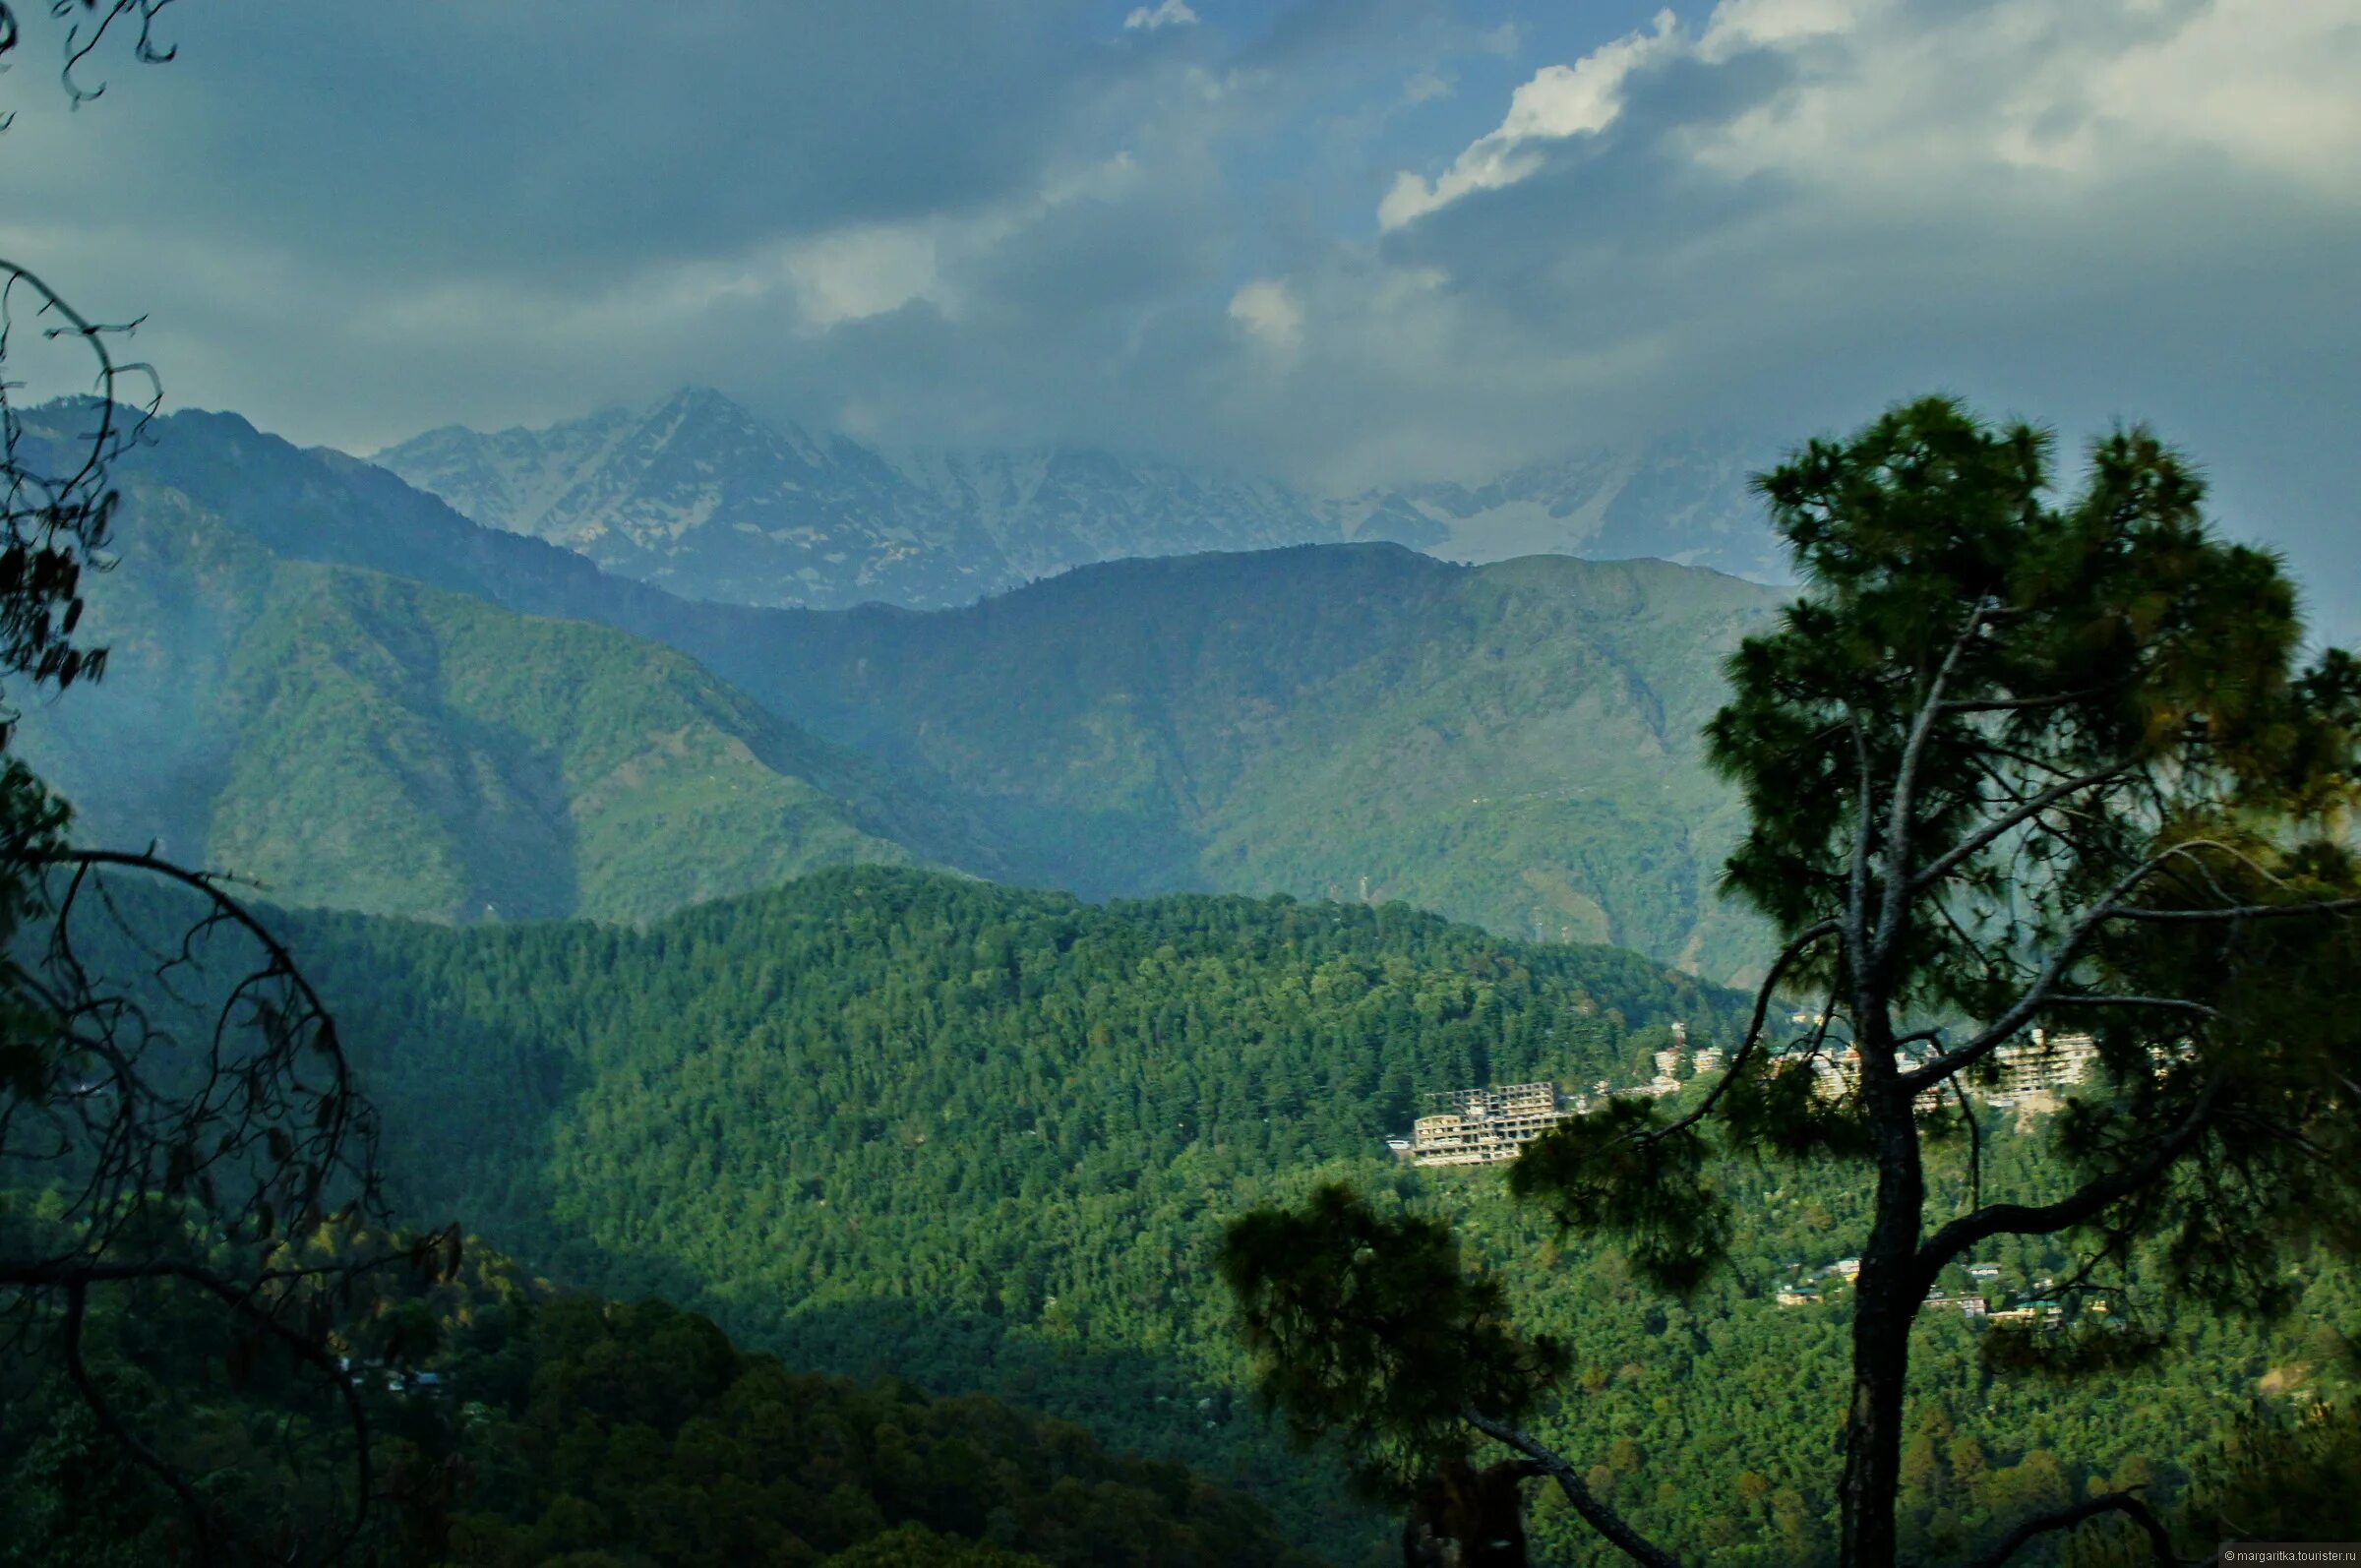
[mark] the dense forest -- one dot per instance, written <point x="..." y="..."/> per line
<point x="514" y="1425"/>
<point x="899" y="1125"/>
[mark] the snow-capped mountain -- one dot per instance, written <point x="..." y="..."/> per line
<point x="697" y="496"/>
<point x="1684" y="500"/>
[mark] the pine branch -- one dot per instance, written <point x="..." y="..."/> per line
<point x="2126" y="1503"/>
<point x="2084" y="1204"/>
<point x="1594" y="1513"/>
<point x="1754" y="1028"/>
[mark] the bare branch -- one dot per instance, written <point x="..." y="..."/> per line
<point x="1763" y="994"/>
<point x="2320" y="906"/>
<point x="1594" y="1513"/>
<point x="2084" y="1204"/>
<point x="2008" y="821"/>
<point x="201" y="1517"/>
<point x="1899" y="809"/>
<point x="1856" y="901"/>
<point x="2049" y="700"/>
<point x="2042" y="992"/>
<point x="2180" y="1004"/>
<point x="2127" y="1503"/>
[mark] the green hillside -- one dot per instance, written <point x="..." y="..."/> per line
<point x="1512" y="745"/>
<point x="890" y="1123"/>
<point x="884" y="1121"/>
<point x="360" y="740"/>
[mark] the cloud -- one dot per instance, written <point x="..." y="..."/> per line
<point x="1425" y="86"/>
<point x="1561" y="101"/>
<point x="1165" y="14"/>
<point x="1270" y="311"/>
<point x="958" y="222"/>
<point x="1739" y="25"/>
<point x="858" y="273"/>
<point x="2087" y="94"/>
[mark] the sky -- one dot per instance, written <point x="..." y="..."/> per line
<point x="1339" y="241"/>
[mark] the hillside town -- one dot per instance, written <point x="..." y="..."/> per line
<point x="1492" y="1124"/>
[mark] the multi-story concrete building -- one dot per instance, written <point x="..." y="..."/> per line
<point x="1484" y="1126"/>
<point x="2042" y="1065"/>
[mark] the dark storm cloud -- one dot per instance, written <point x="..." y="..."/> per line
<point x="575" y="138"/>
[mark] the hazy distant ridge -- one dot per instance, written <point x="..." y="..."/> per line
<point x="698" y="496"/>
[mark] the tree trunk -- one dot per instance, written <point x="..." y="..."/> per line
<point x="1887" y="1295"/>
<point x="1469" y="1518"/>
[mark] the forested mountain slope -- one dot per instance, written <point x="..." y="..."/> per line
<point x="887" y="1122"/>
<point x="1513" y="743"/>
<point x="516" y="1425"/>
<point x="893" y="1121"/>
<point x="350" y="739"/>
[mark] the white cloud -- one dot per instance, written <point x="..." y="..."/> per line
<point x="1559" y="102"/>
<point x="2085" y="93"/>
<point x="1503" y="40"/>
<point x="855" y="274"/>
<point x="2274" y="83"/>
<point x="852" y="274"/>
<point x="1270" y="311"/>
<point x="1885" y="94"/>
<point x="1165" y="14"/>
<point x="1738" y="25"/>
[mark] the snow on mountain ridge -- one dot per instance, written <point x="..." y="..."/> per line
<point x="698" y="496"/>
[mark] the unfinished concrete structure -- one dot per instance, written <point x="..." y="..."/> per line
<point x="1484" y="1126"/>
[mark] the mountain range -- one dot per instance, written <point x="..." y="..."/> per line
<point x="330" y="681"/>
<point x="347" y="738"/>
<point x="699" y="497"/>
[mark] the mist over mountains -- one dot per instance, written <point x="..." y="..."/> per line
<point x="696" y="495"/>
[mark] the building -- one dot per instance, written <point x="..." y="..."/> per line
<point x="1484" y="1126"/>
<point x="2031" y="1314"/>
<point x="1798" y="1295"/>
<point x="2042" y="1065"/>
<point x="2023" y="1071"/>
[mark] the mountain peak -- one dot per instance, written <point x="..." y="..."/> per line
<point x="696" y="399"/>
<point x="698" y="494"/>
